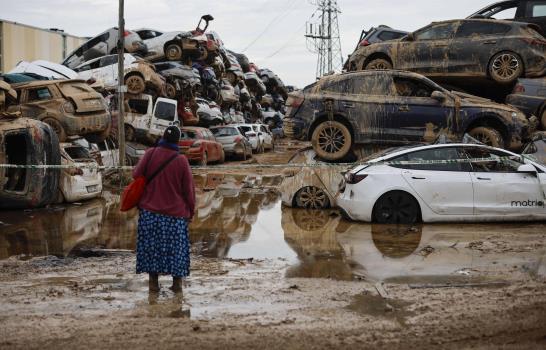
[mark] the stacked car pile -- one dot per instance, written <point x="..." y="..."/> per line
<point x="412" y="91"/>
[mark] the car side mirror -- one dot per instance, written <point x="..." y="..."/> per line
<point x="438" y="96"/>
<point x="527" y="169"/>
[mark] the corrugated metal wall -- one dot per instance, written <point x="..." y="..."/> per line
<point x="24" y="43"/>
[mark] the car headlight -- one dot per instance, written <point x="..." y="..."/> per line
<point x="69" y="107"/>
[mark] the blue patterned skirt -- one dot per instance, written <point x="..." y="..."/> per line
<point x="163" y="245"/>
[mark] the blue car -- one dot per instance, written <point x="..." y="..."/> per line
<point x="389" y="107"/>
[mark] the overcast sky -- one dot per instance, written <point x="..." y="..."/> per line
<point x="275" y="26"/>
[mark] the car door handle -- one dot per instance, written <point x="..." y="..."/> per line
<point x="418" y="178"/>
<point x="490" y="42"/>
<point x="348" y="105"/>
<point x="403" y="108"/>
<point x="484" y="178"/>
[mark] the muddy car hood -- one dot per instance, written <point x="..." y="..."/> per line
<point x="475" y="101"/>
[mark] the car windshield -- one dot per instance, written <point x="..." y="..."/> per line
<point x="223" y="132"/>
<point x="165" y="111"/>
<point x="77" y="153"/>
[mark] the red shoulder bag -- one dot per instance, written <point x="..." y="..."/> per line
<point x="133" y="192"/>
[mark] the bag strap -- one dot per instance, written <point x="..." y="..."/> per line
<point x="163" y="166"/>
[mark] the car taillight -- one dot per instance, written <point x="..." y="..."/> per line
<point x="238" y="139"/>
<point x="75" y="171"/>
<point x="353" y="179"/>
<point x="519" y="89"/>
<point x="126" y="33"/>
<point x="294" y="101"/>
<point x="196" y="144"/>
<point x="365" y="43"/>
<point x="534" y="41"/>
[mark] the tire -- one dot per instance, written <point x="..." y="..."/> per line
<point x="243" y="157"/>
<point x="204" y="161"/>
<point x="173" y="52"/>
<point x="57" y="127"/>
<point x="396" y="207"/>
<point x="378" y="63"/>
<point x="488" y="136"/>
<point x="506" y="67"/>
<point x="222" y="158"/>
<point x="170" y="91"/>
<point x="312" y="197"/>
<point x="135" y="84"/>
<point x="129" y="133"/>
<point x="332" y="140"/>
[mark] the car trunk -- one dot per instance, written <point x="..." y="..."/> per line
<point x="85" y="99"/>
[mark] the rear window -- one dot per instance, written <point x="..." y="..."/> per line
<point x="386" y="35"/>
<point x="138" y="106"/>
<point x="469" y="29"/>
<point x="165" y="111"/>
<point x="222" y="132"/>
<point x="538" y="9"/>
<point x="71" y="88"/>
<point x="77" y="153"/>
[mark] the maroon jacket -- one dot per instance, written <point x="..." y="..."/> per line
<point x="172" y="191"/>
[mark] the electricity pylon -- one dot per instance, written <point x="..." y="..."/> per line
<point x="323" y="38"/>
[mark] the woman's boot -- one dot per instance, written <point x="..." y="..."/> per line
<point x="154" y="282"/>
<point x="177" y="284"/>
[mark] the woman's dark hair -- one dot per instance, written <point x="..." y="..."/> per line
<point x="172" y="134"/>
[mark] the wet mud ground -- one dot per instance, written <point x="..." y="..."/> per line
<point x="270" y="277"/>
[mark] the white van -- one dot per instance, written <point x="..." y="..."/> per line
<point x="145" y="117"/>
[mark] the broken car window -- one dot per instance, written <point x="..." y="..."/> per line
<point x="469" y="29"/>
<point x="436" y="32"/>
<point x="411" y="88"/>
<point x="437" y="154"/>
<point x="494" y="161"/>
<point x="77" y="153"/>
<point x="39" y="94"/>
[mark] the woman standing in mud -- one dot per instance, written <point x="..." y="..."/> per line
<point x="166" y="209"/>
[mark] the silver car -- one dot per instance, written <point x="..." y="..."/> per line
<point x="233" y="141"/>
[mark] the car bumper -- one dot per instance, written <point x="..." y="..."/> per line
<point x="354" y="209"/>
<point x="85" y="124"/>
<point x="78" y="188"/>
<point x="293" y="128"/>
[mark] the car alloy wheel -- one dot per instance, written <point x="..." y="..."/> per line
<point x="170" y="91"/>
<point x="332" y="140"/>
<point x="396" y="207"/>
<point x="312" y="197"/>
<point x="379" y="64"/>
<point x="135" y="84"/>
<point x="488" y="136"/>
<point x="173" y="52"/>
<point x="506" y="67"/>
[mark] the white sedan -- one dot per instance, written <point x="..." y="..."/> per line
<point x="445" y="183"/>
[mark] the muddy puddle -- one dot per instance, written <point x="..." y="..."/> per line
<point x="241" y="218"/>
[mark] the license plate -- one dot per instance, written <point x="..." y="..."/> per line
<point x="91" y="189"/>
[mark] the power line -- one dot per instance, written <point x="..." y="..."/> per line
<point x="268" y="26"/>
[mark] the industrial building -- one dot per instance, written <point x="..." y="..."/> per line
<point x="21" y="42"/>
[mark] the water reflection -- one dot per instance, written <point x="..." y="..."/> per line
<point x="241" y="217"/>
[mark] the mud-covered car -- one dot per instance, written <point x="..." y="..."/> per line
<point x="478" y="48"/>
<point x="179" y="77"/>
<point x="529" y="11"/>
<point x="81" y="181"/>
<point x="25" y="141"/>
<point x="395" y="107"/>
<point x="529" y="96"/>
<point x="71" y="107"/>
<point x="138" y="74"/>
<point x="102" y="45"/>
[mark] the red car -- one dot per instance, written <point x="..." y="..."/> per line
<point x="200" y="146"/>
